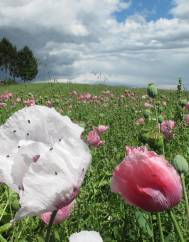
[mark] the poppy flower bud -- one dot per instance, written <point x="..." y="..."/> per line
<point x="147" y="113"/>
<point x="152" y="90"/>
<point x="160" y="119"/>
<point x="180" y="164"/>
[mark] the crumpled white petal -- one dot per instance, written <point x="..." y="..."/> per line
<point x="43" y="158"/>
<point x="86" y="236"/>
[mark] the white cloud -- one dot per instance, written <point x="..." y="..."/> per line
<point x="180" y="9"/>
<point x="72" y="38"/>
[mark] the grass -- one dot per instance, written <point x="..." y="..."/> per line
<point x="97" y="208"/>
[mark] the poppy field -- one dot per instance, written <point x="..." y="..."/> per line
<point x="126" y="194"/>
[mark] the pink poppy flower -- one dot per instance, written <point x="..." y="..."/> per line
<point x="167" y="127"/>
<point x="62" y="214"/>
<point x="94" y="139"/>
<point x="187" y="106"/>
<point x="85" y="97"/>
<point x="102" y="129"/>
<point x="187" y="119"/>
<point x="146" y="180"/>
<point x="29" y="102"/>
<point x="6" y="96"/>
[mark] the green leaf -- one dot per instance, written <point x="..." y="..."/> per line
<point x="5" y="227"/>
<point x="142" y="221"/>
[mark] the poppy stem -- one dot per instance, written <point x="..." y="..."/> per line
<point x="7" y="203"/>
<point x="53" y="215"/>
<point x="185" y="195"/>
<point x="177" y="227"/>
<point x="156" y="112"/>
<point x="160" y="228"/>
<point x="152" y="226"/>
<point x="159" y="127"/>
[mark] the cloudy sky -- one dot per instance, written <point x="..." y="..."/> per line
<point x="132" y="42"/>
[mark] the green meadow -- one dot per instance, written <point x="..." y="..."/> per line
<point x="96" y="207"/>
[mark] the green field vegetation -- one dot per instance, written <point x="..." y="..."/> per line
<point x="97" y="208"/>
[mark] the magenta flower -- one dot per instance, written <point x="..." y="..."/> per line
<point x="102" y="129"/>
<point x="62" y="214"/>
<point x="187" y="106"/>
<point x="6" y="96"/>
<point x="167" y="127"/>
<point x="94" y="139"/>
<point x="146" y="180"/>
<point x="29" y="102"/>
<point x="85" y="97"/>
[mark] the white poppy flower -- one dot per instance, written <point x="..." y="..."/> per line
<point x="85" y="236"/>
<point x="43" y="158"/>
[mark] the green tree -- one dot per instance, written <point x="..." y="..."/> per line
<point x="13" y="66"/>
<point x="26" y="66"/>
<point x="7" y="54"/>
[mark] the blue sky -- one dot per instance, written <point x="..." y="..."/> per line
<point x="151" y="9"/>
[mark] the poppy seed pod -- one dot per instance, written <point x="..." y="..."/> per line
<point x="147" y="113"/>
<point x="160" y="119"/>
<point x="180" y="164"/>
<point x="152" y="90"/>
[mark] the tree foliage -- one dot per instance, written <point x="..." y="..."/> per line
<point x="20" y="64"/>
<point x="27" y="64"/>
